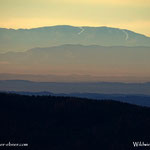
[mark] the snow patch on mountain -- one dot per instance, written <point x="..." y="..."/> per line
<point x="126" y="34"/>
<point x="82" y="30"/>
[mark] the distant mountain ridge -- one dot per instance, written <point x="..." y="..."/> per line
<point x="72" y="78"/>
<point x="23" y="39"/>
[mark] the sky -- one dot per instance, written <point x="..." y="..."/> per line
<point x="126" y="14"/>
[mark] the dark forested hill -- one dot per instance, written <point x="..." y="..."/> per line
<point x="67" y="123"/>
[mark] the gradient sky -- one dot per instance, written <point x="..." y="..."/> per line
<point x="127" y="14"/>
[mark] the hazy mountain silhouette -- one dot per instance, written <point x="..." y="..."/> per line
<point x="79" y="59"/>
<point x="67" y="123"/>
<point x="23" y="39"/>
<point x="76" y="87"/>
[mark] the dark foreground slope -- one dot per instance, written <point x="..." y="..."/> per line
<point x="63" y="123"/>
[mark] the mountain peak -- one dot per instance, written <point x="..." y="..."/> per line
<point x="23" y="39"/>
